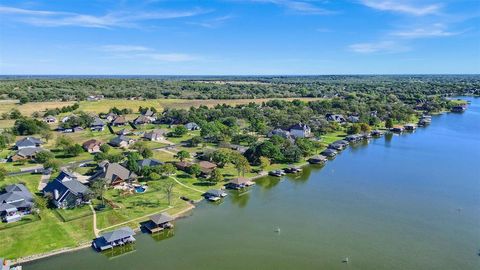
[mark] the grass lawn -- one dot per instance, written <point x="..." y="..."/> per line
<point x="333" y="136"/>
<point x="75" y="213"/>
<point x="30" y="180"/>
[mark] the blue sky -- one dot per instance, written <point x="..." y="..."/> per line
<point x="243" y="37"/>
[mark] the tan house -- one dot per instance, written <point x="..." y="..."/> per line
<point x="155" y="135"/>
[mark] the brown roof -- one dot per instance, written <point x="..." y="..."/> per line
<point x="91" y="143"/>
<point x="207" y="165"/>
<point x="119" y="120"/>
<point x="239" y="180"/>
<point x="183" y="164"/>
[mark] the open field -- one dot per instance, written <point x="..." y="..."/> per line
<point x="106" y="104"/>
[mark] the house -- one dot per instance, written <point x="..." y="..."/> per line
<point x="142" y="120"/>
<point x="214" y="195"/>
<point x="92" y="146"/>
<point x="207" y="167"/>
<point x="318" y="159"/>
<point x="239" y="183"/>
<point x="95" y="97"/>
<point x="459" y="108"/>
<point x="123" y="132"/>
<point x="397" y="129"/>
<point x="119" y="121"/>
<point x="148" y="162"/>
<point x="353" y="119"/>
<point x="113" y="173"/>
<point x="110" y="117"/>
<point x="279" y="132"/>
<point x="155" y="135"/>
<point x="183" y="165"/>
<point x="159" y="222"/>
<point x="66" y="118"/>
<point x="15" y="202"/>
<point x="121" y="141"/>
<point x="50" y="119"/>
<point x="118" y="237"/>
<point x="25" y="153"/>
<point x="28" y="142"/>
<point x="329" y="153"/>
<point x="300" y="130"/>
<point x="67" y="191"/>
<point x="150" y="114"/>
<point x="192" y="126"/>
<point x="97" y="124"/>
<point x="410" y="127"/>
<point x="338" y="145"/>
<point x="335" y="118"/>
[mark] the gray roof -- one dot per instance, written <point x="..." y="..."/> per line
<point x="119" y="139"/>
<point x="113" y="170"/>
<point x="118" y="234"/>
<point x="154" y="133"/>
<point x="215" y="192"/>
<point x="161" y="218"/>
<point x="16" y="195"/>
<point x="28" y="152"/>
<point x="300" y="126"/>
<point x="149" y="162"/>
<point x="97" y="122"/>
<point x="28" y="142"/>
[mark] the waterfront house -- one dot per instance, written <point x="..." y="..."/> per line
<point x="329" y="153"/>
<point x="377" y="133"/>
<point x="410" y="127"/>
<point x="354" y="138"/>
<point x="25" y="154"/>
<point x="118" y="237"/>
<point x="159" y="223"/>
<point x="318" y="159"/>
<point x="15" y="202"/>
<point x="50" y="119"/>
<point x="397" y="129"/>
<point x="28" y="142"/>
<point x="119" y="121"/>
<point x="459" y="108"/>
<point x="155" y="135"/>
<point x="142" y="120"/>
<point x="336" y="146"/>
<point x="214" y="194"/>
<point x="192" y="126"/>
<point x="113" y="173"/>
<point x="239" y="183"/>
<point x="92" y="146"/>
<point x="67" y="191"/>
<point x="121" y="141"/>
<point x="300" y="130"/>
<point x="353" y="119"/>
<point x="335" y="118"/>
<point x="97" y="124"/>
<point x="148" y="162"/>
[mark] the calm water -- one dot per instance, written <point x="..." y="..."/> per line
<point x="402" y="202"/>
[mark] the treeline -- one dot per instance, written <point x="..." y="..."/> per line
<point x="407" y="88"/>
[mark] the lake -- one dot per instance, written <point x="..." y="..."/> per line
<point x="409" y="201"/>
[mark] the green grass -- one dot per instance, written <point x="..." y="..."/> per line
<point x="74" y="213"/>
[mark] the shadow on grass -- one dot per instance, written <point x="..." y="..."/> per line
<point x="204" y="184"/>
<point x="184" y="176"/>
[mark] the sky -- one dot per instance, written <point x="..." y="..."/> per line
<point x="239" y="37"/>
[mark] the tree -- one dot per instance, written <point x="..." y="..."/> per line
<point x="365" y="128"/>
<point x="52" y="164"/>
<point x="23" y="100"/>
<point x="167" y="169"/>
<point x="143" y="149"/>
<point x="47" y="135"/>
<point x="74" y="150"/>
<point x="154" y="176"/>
<point x="105" y="148"/>
<point x="41" y="203"/>
<point x="389" y="123"/>
<point x="132" y="161"/>
<point x="292" y="154"/>
<point x="306" y="146"/>
<point x="222" y="157"/>
<point x="182" y="155"/>
<point x="179" y="131"/>
<point x="98" y="188"/>
<point x="216" y="176"/>
<point x="241" y="164"/>
<point x="194" y="170"/>
<point x="3" y="173"/>
<point x="195" y="141"/>
<point x="264" y="163"/>
<point x="64" y="142"/>
<point x="28" y="126"/>
<point x="44" y="156"/>
<point x="167" y="187"/>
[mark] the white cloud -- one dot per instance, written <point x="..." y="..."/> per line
<point x="378" y="47"/>
<point x="402" y="6"/>
<point x="436" y="30"/>
<point x="169" y="57"/>
<point x="298" y="6"/>
<point x="109" y="20"/>
<point x="124" y="48"/>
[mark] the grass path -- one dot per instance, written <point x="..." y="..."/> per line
<point x="182" y="184"/>
<point x="95" y="229"/>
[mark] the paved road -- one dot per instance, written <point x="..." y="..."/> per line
<point x="38" y="170"/>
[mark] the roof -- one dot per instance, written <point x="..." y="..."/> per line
<point x="119" y="139"/>
<point x="91" y="143"/>
<point x="239" y="181"/>
<point x="149" y="162"/>
<point x="215" y="192"/>
<point x="300" y="126"/>
<point x="16" y="195"/>
<point x="123" y="132"/>
<point x="161" y="218"/>
<point x="207" y="165"/>
<point x="28" y="152"/>
<point x="142" y="119"/>
<point x="112" y="171"/>
<point x="148" y="113"/>
<point x="153" y="133"/>
<point x="118" y="234"/>
<point x="318" y="157"/>
<point x="64" y="186"/>
<point x="119" y="120"/>
<point x="191" y="125"/>
<point x="97" y="122"/>
<point x="329" y="151"/>
<point x="28" y="142"/>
